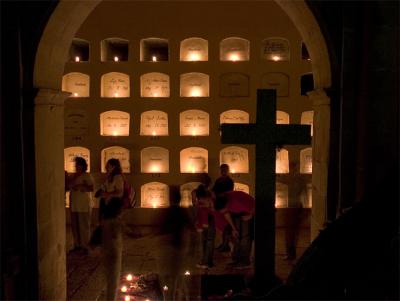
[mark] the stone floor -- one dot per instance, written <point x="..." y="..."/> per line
<point x="147" y="252"/>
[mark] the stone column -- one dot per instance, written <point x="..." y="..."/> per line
<point x="320" y="144"/>
<point x="49" y="146"/>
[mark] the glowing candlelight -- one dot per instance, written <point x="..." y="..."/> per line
<point x="124" y="289"/>
<point x="165" y="288"/>
<point x="154" y="133"/>
<point x="154" y="58"/>
<point x="154" y="204"/>
<point x="194" y="56"/>
<point x="155" y="168"/>
<point x="233" y="170"/>
<point x="193" y="132"/>
<point x="187" y="273"/>
<point x="155" y="94"/>
<point x="115" y="133"/>
<point x="127" y="298"/>
<point x="75" y="94"/>
<point x="234" y="57"/>
<point x="116" y="94"/>
<point x="192" y="169"/>
<point x="195" y="92"/>
<point x="116" y="58"/>
<point x="129" y="277"/>
<point x="77" y="59"/>
<point x="276" y="58"/>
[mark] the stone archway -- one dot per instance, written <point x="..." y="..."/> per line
<point x="49" y="125"/>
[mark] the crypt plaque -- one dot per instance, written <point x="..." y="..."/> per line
<point x="282" y="161"/>
<point x="241" y="187"/>
<point x="234" y="49"/>
<point x="76" y="122"/>
<point x="234" y="116"/>
<point x="186" y="193"/>
<point x="154" y="84"/>
<point x="236" y="157"/>
<point x="75" y="151"/>
<point x="282" y="117"/>
<point x="277" y="81"/>
<point x="194" y="85"/>
<point x="117" y="152"/>
<point x="275" y="49"/>
<point x="114" y="123"/>
<point x="194" y="160"/>
<point x="306" y="160"/>
<point x="154" y="160"/>
<point x="194" y="123"/>
<point x="115" y="84"/>
<point x="307" y="118"/>
<point x="76" y="83"/>
<point x="194" y="49"/>
<point x="234" y="85"/>
<point x="281" y="196"/>
<point x="154" y="123"/>
<point x="154" y="195"/>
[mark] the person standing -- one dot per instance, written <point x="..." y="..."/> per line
<point x="110" y="219"/>
<point x="81" y="203"/>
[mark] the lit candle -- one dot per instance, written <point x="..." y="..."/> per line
<point x="195" y="92"/>
<point x="75" y="94"/>
<point x="165" y="288"/>
<point x="233" y="170"/>
<point x="116" y="94"/>
<point x="127" y="298"/>
<point x="154" y="133"/>
<point x="155" y="94"/>
<point x="155" y="168"/>
<point x="116" y="58"/>
<point x="115" y="133"/>
<point x="193" y="170"/>
<point x="194" y="56"/>
<point x="187" y="273"/>
<point x="154" y="204"/>
<point x="276" y="58"/>
<point x="124" y="289"/>
<point x="193" y="132"/>
<point x="129" y="277"/>
<point x="234" y="57"/>
<point x="77" y="59"/>
<point x="154" y="58"/>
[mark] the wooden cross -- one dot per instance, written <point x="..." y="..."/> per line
<point x="266" y="135"/>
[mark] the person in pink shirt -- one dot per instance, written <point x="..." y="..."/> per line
<point x="238" y="209"/>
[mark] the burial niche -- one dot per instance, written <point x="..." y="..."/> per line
<point x="234" y="49"/>
<point x="282" y="161"/>
<point x="306" y="83"/>
<point x="76" y="83"/>
<point x="114" y="123"/>
<point x="115" y="84"/>
<point x="234" y="116"/>
<point x="194" y="84"/>
<point x="114" y="50"/>
<point x="186" y="193"/>
<point x="306" y="160"/>
<point x="194" y="50"/>
<point x="278" y="81"/>
<point x="79" y="51"/>
<point x="236" y="157"/>
<point x="154" y="123"/>
<point x="281" y="195"/>
<point x="70" y="153"/>
<point x="76" y="122"/>
<point x="154" y="160"/>
<point x="194" y="160"/>
<point x="241" y="187"/>
<point x="282" y="117"/>
<point x="154" y="84"/>
<point x="117" y="152"/>
<point x="275" y="49"/>
<point x="307" y="118"/>
<point x="154" y="195"/>
<point x="194" y="123"/>
<point x="234" y="84"/>
<point x="154" y="50"/>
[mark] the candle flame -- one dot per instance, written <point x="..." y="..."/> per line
<point x="116" y="58"/>
<point x="76" y="94"/>
<point x="234" y="57"/>
<point x="194" y="56"/>
<point x="77" y="59"/>
<point x="195" y="92"/>
<point x="165" y="288"/>
<point x="194" y="132"/>
<point x="154" y="58"/>
<point x="124" y="289"/>
<point x="116" y="94"/>
<point x="187" y="273"/>
<point x="154" y="133"/>
<point x="115" y="133"/>
<point x="233" y="170"/>
<point x="127" y="298"/>
<point x="276" y="58"/>
<point x="129" y="277"/>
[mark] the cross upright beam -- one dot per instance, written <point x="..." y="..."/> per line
<point x="266" y="135"/>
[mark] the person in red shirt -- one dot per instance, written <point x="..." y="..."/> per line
<point x="238" y="209"/>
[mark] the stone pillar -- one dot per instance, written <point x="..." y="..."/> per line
<point x="49" y="145"/>
<point x="320" y="144"/>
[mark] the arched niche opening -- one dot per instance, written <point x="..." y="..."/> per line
<point x="278" y="81"/>
<point x="194" y="50"/>
<point x="241" y="187"/>
<point x="275" y="49"/>
<point x="76" y="83"/>
<point x="154" y="50"/>
<point x="117" y="152"/>
<point x="154" y="195"/>
<point x="281" y="195"/>
<point x="307" y="117"/>
<point x="194" y="123"/>
<point x="234" y="49"/>
<point x="234" y="84"/>
<point x="154" y="159"/>
<point x="234" y="116"/>
<point x="194" y="84"/>
<point x="114" y="50"/>
<point x="79" y="50"/>
<point x="115" y="85"/>
<point x="282" y="117"/>
<point x="306" y="160"/>
<point x="154" y="84"/>
<point x="154" y="123"/>
<point x="282" y="161"/>
<point x="114" y="123"/>
<point x="194" y="160"/>
<point x="186" y="193"/>
<point x="70" y="153"/>
<point x="236" y="157"/>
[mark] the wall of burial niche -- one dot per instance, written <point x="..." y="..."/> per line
<point x="160" y="145"/>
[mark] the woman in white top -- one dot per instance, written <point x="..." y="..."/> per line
<point x="110" y="210"/>
<point x="81" y="203"/>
